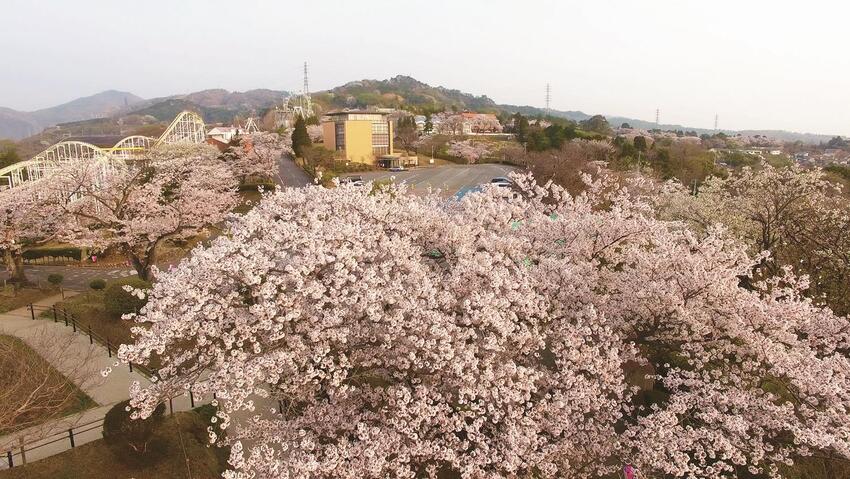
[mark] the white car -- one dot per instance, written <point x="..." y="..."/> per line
<point x="351" y="180"/>
<point x="502" y="182"/>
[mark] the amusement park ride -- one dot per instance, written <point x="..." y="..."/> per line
<point x="188" y="127"/>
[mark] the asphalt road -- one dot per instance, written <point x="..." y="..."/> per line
<point x="290" y="174"/>
<point x="449" y="179"/>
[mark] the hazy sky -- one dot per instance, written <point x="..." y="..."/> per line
<point x="757" y="64"/>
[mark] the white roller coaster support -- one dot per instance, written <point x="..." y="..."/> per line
<point x="188" y="127"/>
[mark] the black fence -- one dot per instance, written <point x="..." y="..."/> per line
<point x="17" y="456"/>
<point x="62" y="315"/>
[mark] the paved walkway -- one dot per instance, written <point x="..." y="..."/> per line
<point x="75" y="277"/>
<point x="106" y="392"/>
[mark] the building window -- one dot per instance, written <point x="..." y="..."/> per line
<point x="380" y="138"/>
<point x="339" y="133"/>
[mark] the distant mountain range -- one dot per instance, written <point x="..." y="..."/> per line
<point x="20" y="124"/>
<point x="222" y="106"/>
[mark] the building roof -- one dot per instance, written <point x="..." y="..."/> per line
<point x="221" y="130"/>
<point x="354" y="112"/>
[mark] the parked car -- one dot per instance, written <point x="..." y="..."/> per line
<point x="398" y="168"/>
<point x="502" y="182"/>
<point x="351" y="180"/>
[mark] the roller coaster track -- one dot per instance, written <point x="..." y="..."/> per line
<point x="187" y="127"/>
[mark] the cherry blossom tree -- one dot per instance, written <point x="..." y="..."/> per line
<point x="350" y="334"/>
<point x="485" y="123"/>
<point x="795" y="215"/>
<point x="449" y="124"/>
<point x="27" y="217"/>
<point x="316" y="133"/>
<point x="257" y="155"/>
<point x="471" y="151"/>
<point x="568" y="165"/>
<point x="177" y="192"/>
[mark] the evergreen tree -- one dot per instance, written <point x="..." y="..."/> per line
<point x="300" y="138"/>
<point x="640" y="143"/>
<point x="521" y="128"/>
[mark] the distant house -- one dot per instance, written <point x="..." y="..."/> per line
<point x="420" y="121"/>
<point x="223" y="133"/>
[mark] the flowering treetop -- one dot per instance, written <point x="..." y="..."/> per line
<point x="174" y="194"/>
<point x="542" y="335"/>
<point x="26" y="216"/>
<point x="469" y="150"/>
<point x="258" y="154"/>
<point x="795" y="215"/>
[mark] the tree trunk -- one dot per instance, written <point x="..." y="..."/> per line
<point x="15" y="267"/>
<point x="143" y="264"/>
<point x="143" y="269"/>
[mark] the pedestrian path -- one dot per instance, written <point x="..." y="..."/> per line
<point x="75" y="277"/>
<point x="105" y="391"/>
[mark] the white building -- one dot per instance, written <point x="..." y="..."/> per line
<point x="223" y="133"/>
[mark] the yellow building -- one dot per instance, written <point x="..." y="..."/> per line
<point x="362" y="136"/>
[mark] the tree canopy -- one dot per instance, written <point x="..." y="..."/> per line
<point x="531" y="335"/>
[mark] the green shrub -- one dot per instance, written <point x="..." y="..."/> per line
<point x="55" y="279"/>
<point x="97" y="284"/>
<point x="132" y="440"/>
<point x="116" y="301"/>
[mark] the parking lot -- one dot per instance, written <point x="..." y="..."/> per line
<point x="449" y="179"/>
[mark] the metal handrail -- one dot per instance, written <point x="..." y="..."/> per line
<point x="70" y="320"/>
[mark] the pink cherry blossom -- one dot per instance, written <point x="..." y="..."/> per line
<point x="174" y="194"/>
<point x="531" y="335"/>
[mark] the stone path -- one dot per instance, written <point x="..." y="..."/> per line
<point x="53" y="438"/>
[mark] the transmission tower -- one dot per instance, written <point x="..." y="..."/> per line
<point x="548" y="97"/>
<point x="715" y="121"/>
<point x="657" y="117"/>
<point x="306" y="101"/>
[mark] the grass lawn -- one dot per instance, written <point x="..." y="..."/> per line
<point x="185" y="431"/>
<point x="51" y="394"/>
<point x="23" y="297"/>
